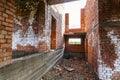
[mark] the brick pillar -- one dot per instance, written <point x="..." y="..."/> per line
<point x="82" y="22"/>
<point x="66" y="22"/>
<point x="6" y="25"/>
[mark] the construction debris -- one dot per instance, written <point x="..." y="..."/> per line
<point x="70" y="69"/>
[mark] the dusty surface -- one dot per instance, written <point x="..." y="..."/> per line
<point x="70" y="69"/>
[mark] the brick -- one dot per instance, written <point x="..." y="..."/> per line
<point x="1" y="4"/>
<point x="2" y="40"/>
<point x="8" y="36"/>
<point x="5" y="15"/>
<point x="4" y="23"/>
<point x="5" y="45"/>
<point x="9" y="40"/>
<point x="0" y="13"/>
<point x="3" y="32"/>
<point x="9" y="28"/>
<point x="9" y="12"/>
<point x="9" y="33"/>
<point x="2" y="18"/>
<point x="10" y="25"/>
<point x="2" y="36"/>
<point x="9" y="50"/>
<point x="9" y="20"/>
<point x="1" y="27"/>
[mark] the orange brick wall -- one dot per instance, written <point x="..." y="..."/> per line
<point x="102" y="26"/>
<point x="75" y="48"/>
<point x="109" y="10"/>
<point x="6" y="24"/>
<point x="69" y="31"/>
<point x="91" y="14"/>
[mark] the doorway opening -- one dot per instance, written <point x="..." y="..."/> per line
<point x="53" y="33"/>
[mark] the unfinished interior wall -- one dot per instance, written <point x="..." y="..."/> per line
<point x="92" y="28"/>
<point x="28" y="34"/>
<point x="70" y="33"/>
<point x="74" y="48"/>
<point x="57" y="12"/>
<point x="6" y="24"/>
<point x="102" y="25"/>
<point x="109" y="18"/>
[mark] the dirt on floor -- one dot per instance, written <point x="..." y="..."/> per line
<point x="70" y="69"/>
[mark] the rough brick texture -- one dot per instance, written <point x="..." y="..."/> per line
<point x="93" y="47"/>
<point x="91" y="14"/>
<point x="59" y="17"/>
<point x="70" y="33"/>
<point x="6" y="25"/>
<point x="102" y="26"/>
<point x="109" y="52"/>
<point x="78" y="30"/>
<point x="29" y="28"/>
<point x="109" y="10"/>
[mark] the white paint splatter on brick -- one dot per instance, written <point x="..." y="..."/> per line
<point x="105" y="73"/>
<point x="30" y="39"/>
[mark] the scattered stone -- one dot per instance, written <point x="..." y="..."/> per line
<point x="68" y="68"/>
<point x="57" y="67"/>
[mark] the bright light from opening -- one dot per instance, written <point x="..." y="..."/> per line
<point x="74" y="41"/>
<point x="74" y="10"/>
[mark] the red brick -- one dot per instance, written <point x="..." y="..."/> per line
<point x="8" y="36"/>
<point x="4" y="23"/>
<point x="5" y="15"/>
<point x="2" y="18"/>
<point x="9" y="20"/>
<point x="9" y="40"/>
<point x="2" y="40"/>
<point x="2" y="36"/>
<point x="9" y="12"/>
<point x="9" y="50"/>
<point x="5" y="45"/>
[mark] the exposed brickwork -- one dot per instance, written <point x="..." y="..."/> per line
<point x="71" y="31"/>
<point x="83" y="20"/>
<point x="109" y="52"/>
<point x="91" y="14"/>
<point x="59" y="25"/>
<point x="93" y="48"/>
<point x="109" y="10"/>
<point x="74" y="48"/>
<point x="6" y="25"/>
<point x="102" y="26"/>
<point x="29" y="27"/>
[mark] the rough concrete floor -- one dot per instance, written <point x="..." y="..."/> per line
<point x="70" y="69"/>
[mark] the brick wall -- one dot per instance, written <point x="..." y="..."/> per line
<point x="28" y="32"/>
<point x="91" y="26"/>
<point x="109" y="52"/>
<point x="109" y="10"/>
<point x="56" y="11"/>
<point x="91" y="14"/>
<point x="78" y="30"/>
<point x="102" y="25"/>
<point x="93" y="47"/>
<point x="6" y="25"/>
<point x="83" y="20"/>
<point x="74" y="48"/>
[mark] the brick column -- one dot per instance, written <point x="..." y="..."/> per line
<point x="6" y="25"/>
<point x="66" y="22"/>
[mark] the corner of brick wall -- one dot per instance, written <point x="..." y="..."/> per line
<point x="6" y="25"/>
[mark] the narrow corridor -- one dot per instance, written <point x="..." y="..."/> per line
<point x="70" y="69"/>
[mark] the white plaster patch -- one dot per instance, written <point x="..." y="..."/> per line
<point x="30" y="39"/>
